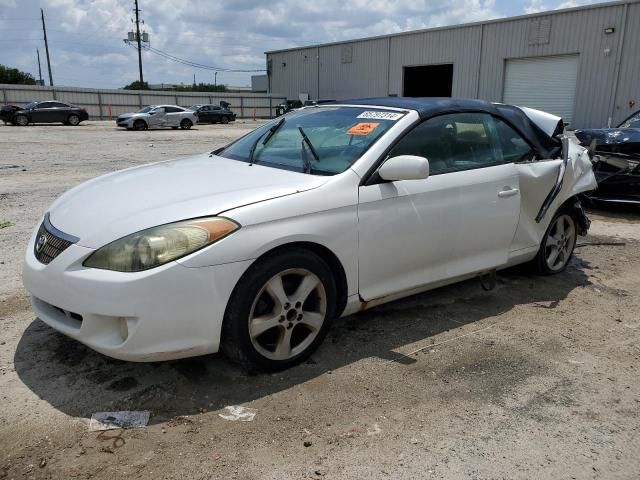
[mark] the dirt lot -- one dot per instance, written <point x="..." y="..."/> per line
<point x="536" y="379"/>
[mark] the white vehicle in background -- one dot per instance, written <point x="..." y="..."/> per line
<point x="158" y="116"/>
<point x="255" y="247"/>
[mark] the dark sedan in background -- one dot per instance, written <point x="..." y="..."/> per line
<point x="214" y="113"/>
<point x="50" y="111"/>
<point x="616" y="163"/>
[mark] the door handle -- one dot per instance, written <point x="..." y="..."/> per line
<point x="508" y="192"/>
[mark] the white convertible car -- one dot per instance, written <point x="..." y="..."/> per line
<point x="254" y="248"/>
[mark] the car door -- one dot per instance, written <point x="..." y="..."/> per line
<point x="59" y="112"/>
<point x="41" y="112"/>
<point x="459" y="220"/>
<point x="157" y="117"/>
<point x="204" y="114"/>
<point x="174" y="116"/>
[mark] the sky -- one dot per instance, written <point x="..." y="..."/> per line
<point x="87" y="48"/>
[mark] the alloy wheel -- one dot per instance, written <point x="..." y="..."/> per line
<point x="560" y="242"/>
<point x="287" y="314"/>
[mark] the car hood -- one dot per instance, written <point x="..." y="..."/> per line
<point x="127" y="115"/>
<point x="608" y="136"/>
<point x="109" y="207"/>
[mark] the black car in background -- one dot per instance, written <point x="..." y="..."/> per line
<point x="616" y="163"/>
<point x="50" y="111"/>
<point x="287" y="106"/>
<point x="214" y="113"/>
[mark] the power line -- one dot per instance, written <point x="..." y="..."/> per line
<point x="190" y="63"/>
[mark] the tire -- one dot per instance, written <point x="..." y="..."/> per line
<point x="186" y="124"/>
<point x="224" y="120"/>
<point x="73" y="120"/>
<point x="293" y="327"/>
<point x="557" y="244"/>
<point x="140" y="125"/>
<point x="21" y="120"/>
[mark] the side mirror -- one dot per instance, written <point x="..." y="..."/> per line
<point x="404" y="167"/>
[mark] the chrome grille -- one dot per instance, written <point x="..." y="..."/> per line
<point x="50" y="242"/>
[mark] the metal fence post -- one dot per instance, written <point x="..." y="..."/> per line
<point x="270" y="108"/>
<point x="4" y="96"/>
<point x="100" y="105"/>
<point x="53" y="93"/>
<point x="176" y="99"/>
<point x="241" y="107"/>
<point x="140" y="100"/>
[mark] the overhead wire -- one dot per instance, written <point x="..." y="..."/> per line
<point x="190" y="63"/>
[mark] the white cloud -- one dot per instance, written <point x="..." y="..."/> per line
<point x="86" y="36"/>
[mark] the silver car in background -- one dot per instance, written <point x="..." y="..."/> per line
<point x="158" y="116"/>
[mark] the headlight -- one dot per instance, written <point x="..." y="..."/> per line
<point x="158" y="245"/>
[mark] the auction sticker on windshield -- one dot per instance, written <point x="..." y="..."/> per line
<point x="363" y="128"/>
<point x="381" y="115"/>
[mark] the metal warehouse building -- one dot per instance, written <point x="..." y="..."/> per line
<point x="580" y="63"/>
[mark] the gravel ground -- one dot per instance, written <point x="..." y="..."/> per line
<point x="536" y="379"/>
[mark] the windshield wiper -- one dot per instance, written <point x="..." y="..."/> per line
<point x="306" y="141"/>
<point x="269" y="133"/>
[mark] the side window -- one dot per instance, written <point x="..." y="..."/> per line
<point x="173" y="109"/>
<point x="58" y="105"/>
<point x="46" y="105"/>
<point x="453" y="142"/>
<point x="514" y="147"/>
<point x="216" y="108"/>
<point x="204" y="108"/>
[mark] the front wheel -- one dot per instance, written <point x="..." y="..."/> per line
<point x="224" y="120"/>
<point x="280" y="311"/>
<point x="21" y="120"/>
<point x="186" y="124"/>
<point x="140" y="125"/>
<point x="557" y="244"/>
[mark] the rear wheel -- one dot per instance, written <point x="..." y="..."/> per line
<point x="21" y="120"/>
<point x="224" y="120"/>
<point x="73" y="120"/>
<point x="140" y="125"/>
<point x="557" y="244"/>
<point x="280" y="311"/>
<point x="186" y="124"/>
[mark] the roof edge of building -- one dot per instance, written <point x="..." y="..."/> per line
<point x="461" y="25"/>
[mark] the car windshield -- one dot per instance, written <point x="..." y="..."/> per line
<point x="145" y="110"/>
<point x="194" y="107"/>
<point x="338" y="135"/>
<point x="632" y="122"/>
<point x="31" y="104"/>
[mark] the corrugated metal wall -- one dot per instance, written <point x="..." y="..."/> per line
<point x="103" y="103"/>
<point x="627" y="100"/>
<point x="479" y="53"/>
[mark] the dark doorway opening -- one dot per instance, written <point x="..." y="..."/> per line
<point x="428" y="81"/>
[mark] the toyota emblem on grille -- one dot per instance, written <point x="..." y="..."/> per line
<point x="40" y="243"/>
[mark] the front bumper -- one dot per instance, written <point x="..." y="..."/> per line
<point x="164" y="313"/>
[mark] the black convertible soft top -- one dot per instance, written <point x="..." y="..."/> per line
<point x="545" y="145"/>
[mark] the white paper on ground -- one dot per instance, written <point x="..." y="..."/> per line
<point x="238" y="413"/>
<point x="113" y="420"/>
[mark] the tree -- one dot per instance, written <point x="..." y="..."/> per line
<point x="201" y="87"/>
<point x="15" y="76"/>
<point x="136" y="86"/>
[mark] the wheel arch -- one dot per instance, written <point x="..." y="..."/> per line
<point x="330" y="258"/>
<point x="574" y="206"/>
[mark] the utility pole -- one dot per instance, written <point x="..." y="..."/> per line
<point x="139" y="40"/>
<point x="46" y="47"/>
<point x="39" y="68"/>
<point x="215" y="79"/>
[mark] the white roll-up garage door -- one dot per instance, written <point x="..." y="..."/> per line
<point x="544" y="83"/>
